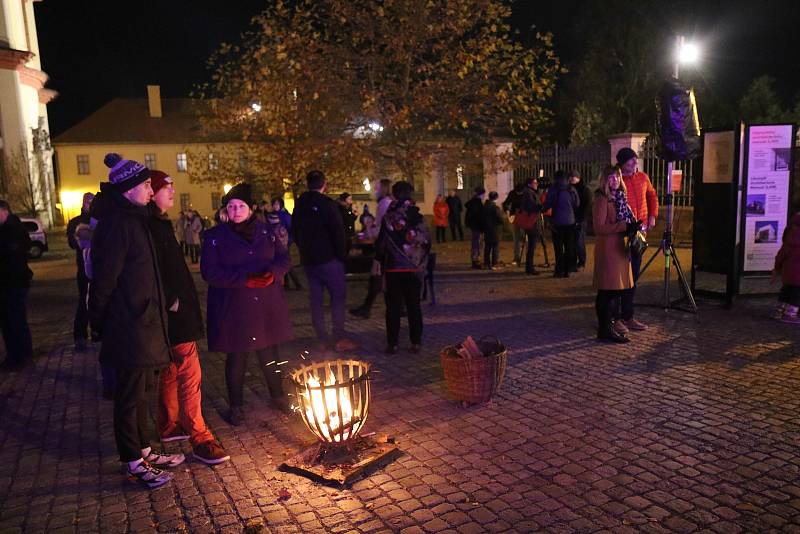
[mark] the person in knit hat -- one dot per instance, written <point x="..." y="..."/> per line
<point x="244" y="261"/>
<point x="180" y="415"/>
<point x="128" y="309"/>
<point x="643" y="201"/>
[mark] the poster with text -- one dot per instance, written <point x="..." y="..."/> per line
<point x="769" y="156"/>
<point x="718" y="152"/>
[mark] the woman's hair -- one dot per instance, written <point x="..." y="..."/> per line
<point x="602" y="186"/>
<point x="222" y="215"/>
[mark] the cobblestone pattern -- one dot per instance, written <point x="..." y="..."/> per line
<point x="692" y="427"/>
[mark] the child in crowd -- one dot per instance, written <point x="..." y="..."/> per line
<point x="787" y="265"/>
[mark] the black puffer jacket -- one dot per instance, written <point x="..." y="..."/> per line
<point x="14" y="245"/>
<point x="126" y="299"/>
<point x="186" y="324"/>
<point x="318" y="229"/>
<point x="473" y="217"/>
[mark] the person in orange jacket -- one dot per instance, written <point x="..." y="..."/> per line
<point x="441" y="212"/>
<point x="643" y="201"/>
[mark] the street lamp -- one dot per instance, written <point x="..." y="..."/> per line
<point x="685" y="54"/>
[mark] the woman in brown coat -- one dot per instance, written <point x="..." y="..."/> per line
<point x="613" y="219"/>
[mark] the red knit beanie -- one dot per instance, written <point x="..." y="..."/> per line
<point x="159" y="179"/>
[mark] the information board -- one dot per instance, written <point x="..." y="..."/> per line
<point x="766" y="202"/>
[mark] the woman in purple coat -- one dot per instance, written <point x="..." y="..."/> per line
<point x="244" y="263"/>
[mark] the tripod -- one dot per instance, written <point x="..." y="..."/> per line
<point x="667" y="248"/>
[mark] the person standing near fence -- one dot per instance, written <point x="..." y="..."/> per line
<point x="441" y="213"/>
<point x="581" y="216"/>
<point x="564" y="201"/>
<point x="643" y="200"/>
<point x="454" y="217"/>
<point x="473" y="219"/>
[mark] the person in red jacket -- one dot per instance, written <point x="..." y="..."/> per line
<point x="441" y="212"/>
<point x="787" y="265"/>
<point x="643" y="201"/>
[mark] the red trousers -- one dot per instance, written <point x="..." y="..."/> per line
<point x="179" y="399"/>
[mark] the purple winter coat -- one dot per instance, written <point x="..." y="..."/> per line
<point x="241" y="318"/>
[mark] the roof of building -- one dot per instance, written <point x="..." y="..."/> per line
<point x="128" y="120"/>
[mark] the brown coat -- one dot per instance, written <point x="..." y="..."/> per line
<point x="612" y="262"/>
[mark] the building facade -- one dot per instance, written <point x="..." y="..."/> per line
<point x="26" y="157"/>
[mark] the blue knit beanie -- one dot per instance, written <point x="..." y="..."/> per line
<point x="125" y="174"/>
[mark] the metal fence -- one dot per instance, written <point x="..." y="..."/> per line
<point x="590" y="160"/>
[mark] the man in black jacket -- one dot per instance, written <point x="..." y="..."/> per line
<point x="473" y="219"/>
<point x="127" y="307"/>
<point x="81" y="323"/>
<point x="15" y="280"/>
<point x="454" y="215"/>
<point x="318" y="230"/>
<point x="180" y="414"/>
<point x="581" y="216"/>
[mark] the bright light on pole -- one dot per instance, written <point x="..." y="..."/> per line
<point x="685" y="54"/>
<point x="256" y="106"/>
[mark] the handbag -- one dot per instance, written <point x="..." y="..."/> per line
<point x="526" y="221"/>
<point x="637" y="243"/>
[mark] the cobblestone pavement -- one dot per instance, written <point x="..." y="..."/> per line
<point x="693" y="426"/>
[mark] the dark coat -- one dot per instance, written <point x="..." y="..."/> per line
<point x="14" y="245"/>
<point x="72" y="226"/>
<point x="473" y="218"/>
<point x="492" y="221"/>
<point x="404" y="242"/>
<point x="584" y="212"/>
<point x="787" y="262"/>
<point x="186" y="324"/>
<point x="318" y="229"/>
<point x="242" y="318"/>
<point x="454" y="203"/>
<point x="126" y="299"/>
<point x="564" y="201"/>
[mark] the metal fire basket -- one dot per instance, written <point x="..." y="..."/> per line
<point x="333" y="398"/>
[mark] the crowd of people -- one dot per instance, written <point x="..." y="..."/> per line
<point x="137" y="296"/>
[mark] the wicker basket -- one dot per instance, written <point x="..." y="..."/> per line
<point x="475" y="380"/>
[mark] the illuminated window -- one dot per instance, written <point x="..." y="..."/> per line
<point x="180" y="160"/>
<point x="242" y="162"/>
<point x="216" y="200"/>
<point x="185" y="201"/>
<point x="213" y="162"/>
<point x="83" y="164"/>
<point x="150" y="161"/>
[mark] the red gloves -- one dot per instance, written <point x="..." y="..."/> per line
<point x="259" y="280"/>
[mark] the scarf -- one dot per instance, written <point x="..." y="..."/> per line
<point x="245" y="229"/>
<point x="624" y="212"/>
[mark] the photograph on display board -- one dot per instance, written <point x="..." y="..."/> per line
<point x="766" y="232"/>
<point x="783" y="156"/>
<point x="756" y="205"/>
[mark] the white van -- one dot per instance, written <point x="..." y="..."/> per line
<point x="38" y="236"/>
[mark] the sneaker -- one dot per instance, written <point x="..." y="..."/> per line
<point x="176" y="434"/>
<point x="345" y="344"/>
<point x="619" y="327"/>
<point x="210" y="453"/>
<point x="148" y="476"/>
<point x="633" y="324"/>
<point x="164" y="460"/>
<point x="790" y="319"/>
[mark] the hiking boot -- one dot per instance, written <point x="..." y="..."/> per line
<point x="159" y="460"/>
<point x="611" y="336"/>
<point x="210" y="453"/>
<point x="633" y="324"/>
<point x="345" y="344"/>
<point x="619" y="327"/>
<point x="148" y="476"/>
<point x="176" y="434"/>
<point x="236" y="416"/>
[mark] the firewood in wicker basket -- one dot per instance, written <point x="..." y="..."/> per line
<point x="469" y="349"/>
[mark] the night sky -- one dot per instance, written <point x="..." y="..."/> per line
<point x="95" y="51"/>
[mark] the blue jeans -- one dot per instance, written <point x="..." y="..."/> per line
<point x="328" y="276"/>
<point x="14" y="324"/>
<point x="519" y="236"/>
